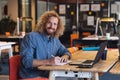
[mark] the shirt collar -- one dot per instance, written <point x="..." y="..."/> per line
<point x="44" y="36"/>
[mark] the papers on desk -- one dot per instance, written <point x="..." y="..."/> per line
<point x="63" y="63"/>
<point x="114" y="38"/>
<point x="92" y="37"/>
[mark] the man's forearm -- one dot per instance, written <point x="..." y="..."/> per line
<point x="37" y="63"/>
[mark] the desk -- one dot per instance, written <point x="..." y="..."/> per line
<point x="7" y="45"/>
<point x="116" y="68"/>
<point x="16" y="39"/>
<point x="95" y="41"/>
<point x="73" y="71"/>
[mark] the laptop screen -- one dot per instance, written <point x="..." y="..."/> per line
<point x="100" y="51"/>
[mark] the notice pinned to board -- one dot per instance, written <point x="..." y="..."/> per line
<point x="62" y="9"/>
<point x="90" y="20"/>
<point x="63" y="19"/>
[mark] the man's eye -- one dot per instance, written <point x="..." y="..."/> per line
<point x="55" y="24"/>
<point x="48" y="22"/>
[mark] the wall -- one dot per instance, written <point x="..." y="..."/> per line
<point x="13" y="9"/>
<point x="41" y="7"/>
<point x="65" y="1"/>
<point x="2" y="4"/>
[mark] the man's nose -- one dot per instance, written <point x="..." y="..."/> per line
<point x="52" y="25"/>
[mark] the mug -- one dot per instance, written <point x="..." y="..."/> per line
<point x="7" y="33"/>
<point x="107" y="36"/>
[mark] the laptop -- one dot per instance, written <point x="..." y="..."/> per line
<point x="90" y="63"/>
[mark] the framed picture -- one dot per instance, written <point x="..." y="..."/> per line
<point x="84" y="7"/>
<point x="95" y="7"/>
<point x="62" y="9"/>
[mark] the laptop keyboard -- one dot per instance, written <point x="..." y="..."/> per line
<point x="88" y="61"/>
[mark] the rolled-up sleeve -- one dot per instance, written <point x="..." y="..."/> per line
<point x="63" y="50"/>
<point x="27" y="51"/>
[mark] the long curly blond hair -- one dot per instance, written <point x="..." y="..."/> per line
<point x="43" y="20"/>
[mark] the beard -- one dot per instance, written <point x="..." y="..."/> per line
<point x="49" y="31"/>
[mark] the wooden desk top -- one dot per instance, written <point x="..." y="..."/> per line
<point x="102" y="66"/>
<point x="116" y="68"/>
<point x="4" y="36"/>
<point x="112" y="54"/>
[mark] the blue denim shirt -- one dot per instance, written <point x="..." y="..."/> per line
<point x="38" y="46"/>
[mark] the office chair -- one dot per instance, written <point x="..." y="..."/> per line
<point x="14" y="69"/>
<point x="72" y="37"/>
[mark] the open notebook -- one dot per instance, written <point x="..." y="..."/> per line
<point x="90" y="63"/>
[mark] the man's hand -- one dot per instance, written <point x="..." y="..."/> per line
<point x="55" y="60"/>
<point x="64" y="58"/>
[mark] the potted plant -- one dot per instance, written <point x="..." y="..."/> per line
<point x="7" y="25"/>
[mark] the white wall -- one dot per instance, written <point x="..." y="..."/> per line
<point x="13" y="9"/>
<point x="41" y="7"/>
<point x="2" y="4"/>
<point x="118" y="9"/>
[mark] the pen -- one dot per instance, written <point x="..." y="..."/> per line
<point x="52" y="55"/>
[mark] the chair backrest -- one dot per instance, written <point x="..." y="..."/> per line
<point x="72" y="37"/>
<point x="86" y="34"/>
<point x="14" y="67"/>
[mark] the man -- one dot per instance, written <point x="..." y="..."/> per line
<point x="42" y="47"/>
